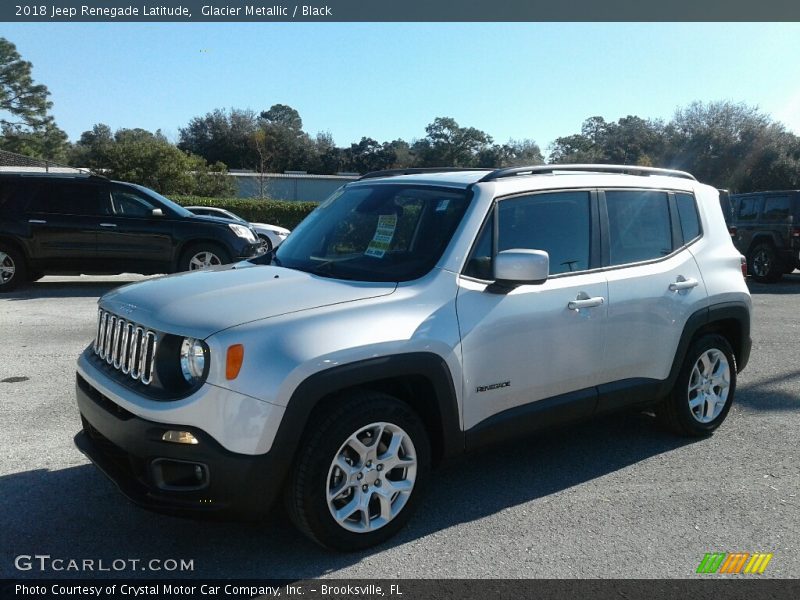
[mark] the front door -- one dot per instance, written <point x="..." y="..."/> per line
<point x="541" y="342"/>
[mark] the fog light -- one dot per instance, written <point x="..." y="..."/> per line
<point x="179" y="437"/>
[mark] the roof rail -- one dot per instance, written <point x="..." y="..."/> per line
<point x="545" y="169"/>
<point x="417" y="171"/>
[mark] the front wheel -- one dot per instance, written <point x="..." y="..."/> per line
<point x="266" y="243"/>
<point x="360" y="471"/>
<point x="202" y="256"/>
<point x="703" y="392"/>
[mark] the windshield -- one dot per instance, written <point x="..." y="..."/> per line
<point x="163" y="199"/>
<point x="380" y="232"/>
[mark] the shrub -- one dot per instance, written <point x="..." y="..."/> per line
<point x="274" y="212"/>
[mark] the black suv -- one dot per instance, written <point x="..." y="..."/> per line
<point x="57" y="223"/>
<point x="765" y="227"/>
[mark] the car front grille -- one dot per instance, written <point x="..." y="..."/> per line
<point x="126" y="346"/>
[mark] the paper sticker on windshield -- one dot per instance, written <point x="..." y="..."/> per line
<point x="384" y="233"/>
<point x="442" y="206"/>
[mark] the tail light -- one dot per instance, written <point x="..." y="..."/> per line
<point x="744" y="267"/>
<point x="732" y="231"/>
<point x="796" y="232"/>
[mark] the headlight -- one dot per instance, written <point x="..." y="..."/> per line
<point x="242" y="232"/>
<point x="193" y="360"/>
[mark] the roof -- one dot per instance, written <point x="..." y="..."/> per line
<point x="541" y="176"/>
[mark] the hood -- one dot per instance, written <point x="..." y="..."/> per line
<point x="214" y="219"/>
<point x="201" y="303"/>
<point x="269" y="227"/>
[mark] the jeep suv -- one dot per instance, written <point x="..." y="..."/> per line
<point x="765" y="227"/>
<point x="411" y="317"/>
<point x="60" y="223"/>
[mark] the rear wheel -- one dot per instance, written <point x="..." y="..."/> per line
<point x="763" y="264"/>
<point x="360" y="471"/>
<point x="703" y="392"/>
<point x="202" y="256"/>
<point x="12" y="268"/>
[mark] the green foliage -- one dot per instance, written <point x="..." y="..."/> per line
<point x="274" y="212"/>
<point x="24" y="121"/>
<point x="139" y="156"/>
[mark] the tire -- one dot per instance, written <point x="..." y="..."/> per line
<point x="763" y="265"/>
<point x="206" y="253"/>
<point x="381" y="499"/>
<point x="13" y="271"/>
<point x="266" y="242"/>
<point x="699" y="404"/>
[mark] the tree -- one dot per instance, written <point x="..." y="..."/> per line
<point x="24" y="121"/>
<point x="449" y="145"/>
<point x="222" y="136"/>
<point x="369" y="155"/>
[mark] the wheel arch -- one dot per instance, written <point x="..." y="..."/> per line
<point x="729" y="319"/>
<point x="421" y="379"/>
<point x="186" y="244"/>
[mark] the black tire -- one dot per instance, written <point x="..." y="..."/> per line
<point x="13" y="270"/>
<point x="675" y="412"/>
<point x="313" y="470"/>
<point x="763" y="264"/>
<point x="266" y="242"/>
<point x="185" y="263"/>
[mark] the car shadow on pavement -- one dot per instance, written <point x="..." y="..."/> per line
<point x="767" y="395"/>
<point x="788" y="284"/>
<point x="77" y="513"/>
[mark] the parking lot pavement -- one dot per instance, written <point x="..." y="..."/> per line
<point x="614" y="497"/>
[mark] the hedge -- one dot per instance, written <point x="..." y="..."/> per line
<point x="274" y="212"/>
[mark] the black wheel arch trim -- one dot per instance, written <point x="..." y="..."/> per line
<point x="313" y="390"/>
<point x="705" y="318"/>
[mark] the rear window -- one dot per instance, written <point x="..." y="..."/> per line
<point x="639" y="226"/>
<point x="12" y="197"/>
<point x="687" y="213"/>
<point x="776" y="208"/>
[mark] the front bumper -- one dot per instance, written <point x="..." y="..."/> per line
<point x="129" y="450"/>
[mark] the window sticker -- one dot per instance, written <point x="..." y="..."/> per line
<point x="443" y="204"/>
<point x="384" y="233"/>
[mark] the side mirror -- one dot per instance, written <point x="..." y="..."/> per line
<point x="520" y="267"/>
<point x="157" y="212"/>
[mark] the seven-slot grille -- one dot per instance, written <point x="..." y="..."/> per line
<point x="126" y="346"/>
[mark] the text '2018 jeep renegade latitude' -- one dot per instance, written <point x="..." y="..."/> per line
<point x="411" y="317"/>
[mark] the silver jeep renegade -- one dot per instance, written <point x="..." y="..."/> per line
<point x="413" y="316"/>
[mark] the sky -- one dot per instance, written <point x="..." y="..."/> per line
<point x="389" y="80"/>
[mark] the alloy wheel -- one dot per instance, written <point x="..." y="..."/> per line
<point x="203" y="260"/>
<point x="371" y="477"/>
<point x="709" y="384"/>
<point x="7" y="268"/>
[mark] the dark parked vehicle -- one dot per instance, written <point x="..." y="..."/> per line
<point x="765" y="227"/>
<point x="79" y="223"/>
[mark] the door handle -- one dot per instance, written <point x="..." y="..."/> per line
<point x="37" y="221"/>
<point x="683" y="284"/>
<point x="108" y="224"/>
<point x="584" y="301"/>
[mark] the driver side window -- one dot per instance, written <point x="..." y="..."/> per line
<point x="129" y="204"/>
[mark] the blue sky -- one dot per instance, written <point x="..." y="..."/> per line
<point x="521" y="80"/>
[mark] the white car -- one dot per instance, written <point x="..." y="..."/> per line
<point x="414" y="316"/>
<point x="272" y="236"/>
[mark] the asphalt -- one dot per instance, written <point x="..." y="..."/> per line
<point x="614" y="497"/>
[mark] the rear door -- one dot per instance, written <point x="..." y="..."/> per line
<point x="64" y="216"/>
<point x="654" y="283"/>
